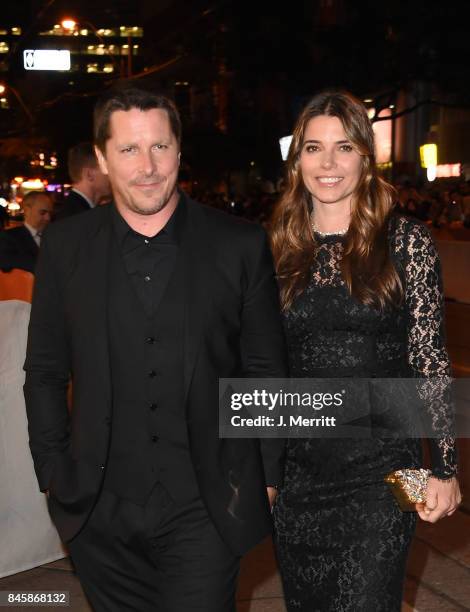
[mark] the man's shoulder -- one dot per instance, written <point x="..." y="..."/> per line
<point x="72" y="204"/>
<point x="19" y="230"/>
<point x="15" y="233"/>
<point x="76" y="199"/>
<point x="78" y="225"/>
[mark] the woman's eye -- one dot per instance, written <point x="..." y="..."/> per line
<point x="347" y="148"/>
<point x="311" y="148"/>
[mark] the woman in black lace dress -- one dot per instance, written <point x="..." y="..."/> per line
<point x="362" y="297"/>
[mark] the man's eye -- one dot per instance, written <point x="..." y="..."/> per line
<point x="160" y="146"/>
<point x="127" y="149"/>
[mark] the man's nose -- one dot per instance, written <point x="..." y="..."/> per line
<point x="149" y="163"/>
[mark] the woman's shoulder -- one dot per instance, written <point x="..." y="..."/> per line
<point x="406" y="231"/>
<point x="412" y="243"/>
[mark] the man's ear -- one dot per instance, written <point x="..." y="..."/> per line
<point x="101" y="160"/>
<point x="89" y="174"/>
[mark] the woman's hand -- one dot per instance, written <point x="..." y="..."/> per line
<point x="442" y="499"/>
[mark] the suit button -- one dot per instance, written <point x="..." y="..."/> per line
<point x="154" y="438"/>
<point x="153" y="407"/>
<point x="150" y="340"/>
<point x="152" y="374"/>
<point x="101" y="467"/>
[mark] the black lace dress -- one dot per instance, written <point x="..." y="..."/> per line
<point x="341" y="539"/>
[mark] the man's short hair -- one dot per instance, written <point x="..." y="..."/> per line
<point x="80" y="156"/>
<point x="124" y="99"/>
<point x="31" y="198"/>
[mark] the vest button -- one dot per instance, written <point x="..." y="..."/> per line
<point x="153" y="407"/>
<point x="150" y="340"/>
<point x="152" y="374"/>
<point x="154" y="438"/>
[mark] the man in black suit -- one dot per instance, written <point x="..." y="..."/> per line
<point x="146" y="304"/>
<point x="19" y="246"/>
<point x="90" y="185"/>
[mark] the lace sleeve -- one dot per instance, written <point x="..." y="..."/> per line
<point x="427" y="354"/>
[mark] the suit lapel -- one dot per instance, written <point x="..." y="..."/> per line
<point x="198" y="273"/>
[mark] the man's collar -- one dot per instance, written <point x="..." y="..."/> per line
<point x="90" y="203"/>
<point x="173" y="227"/>
<point x="32" y="230"/>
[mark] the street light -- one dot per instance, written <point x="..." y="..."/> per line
<point x="72" y="25"/>
<point x="68" y="24"/>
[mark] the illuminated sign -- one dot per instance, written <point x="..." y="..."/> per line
<point x="383" y="137"/>
<point x="428" y="154"/>
<point x="46" y="59"/>
<point x="448" y="170"/>
<point x="33" y="185"/>
<point x="284" y="143"/>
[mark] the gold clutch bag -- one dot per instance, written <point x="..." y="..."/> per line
<point x="409" y="487"/>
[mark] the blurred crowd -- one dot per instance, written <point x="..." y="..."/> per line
<point x="442" y="204"/>
<point x="438" y="203"/>
<point x="256" y="205"/>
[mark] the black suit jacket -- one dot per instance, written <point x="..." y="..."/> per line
<point x="232" y="328"/>
<point x="18" y="249"/>
<point x="73" y="204"/>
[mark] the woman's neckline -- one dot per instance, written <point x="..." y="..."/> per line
<point x="340" y="232"/>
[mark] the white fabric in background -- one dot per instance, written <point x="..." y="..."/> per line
<point x="27" y="535"/>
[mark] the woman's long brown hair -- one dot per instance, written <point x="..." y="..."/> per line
<point x="366" y="265"/>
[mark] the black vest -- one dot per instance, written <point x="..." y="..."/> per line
<point x="149" y="439"/>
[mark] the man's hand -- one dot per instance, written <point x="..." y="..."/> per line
<point x="272" y="494"/>
<point x="442" y="499"/>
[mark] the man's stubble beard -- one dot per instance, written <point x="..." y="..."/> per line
<point x="157" y="207"/>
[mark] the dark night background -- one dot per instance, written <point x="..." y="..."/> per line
<point x="247" y="68"/>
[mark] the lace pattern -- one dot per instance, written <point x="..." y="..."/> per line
<point x="427" y="354"/>
<point x="423" y="313"/>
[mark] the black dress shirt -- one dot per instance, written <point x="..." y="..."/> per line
<point x="150" y="261"/>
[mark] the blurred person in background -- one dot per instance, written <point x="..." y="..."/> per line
<point x="90" y="187"/>
<point x="19" y="246"/>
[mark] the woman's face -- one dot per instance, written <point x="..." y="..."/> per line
<point x="329" y="164"/>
